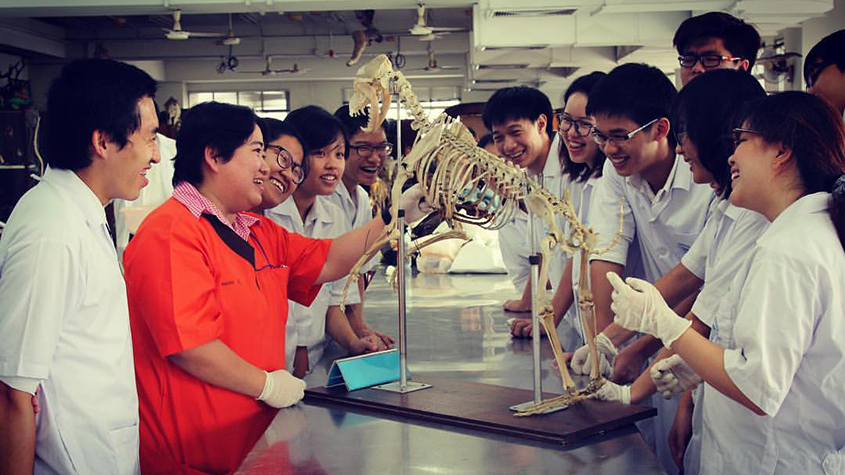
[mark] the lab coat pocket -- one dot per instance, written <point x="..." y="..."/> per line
<point x="834" y="463"/>
<point x="124" y="446"/>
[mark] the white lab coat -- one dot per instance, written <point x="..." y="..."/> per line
<point x="728" y="238"/>
<point x="785" y="352"/>
<point x="65" y="324"/>
<point x="306" y="326"/>
<point x="356" y="210"/>
<point x="665" y="224"/>
<point x="516" y="249"/>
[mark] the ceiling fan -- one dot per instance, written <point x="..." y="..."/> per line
<point x="432" y="66"/>
<point x="230" y="39"/>
<point x="269" y="71"/>
<point x="425" y="32"/>
<point x="177" y="33"/>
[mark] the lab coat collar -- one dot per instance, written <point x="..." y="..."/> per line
<point x="552" y="169"/>
<point x="80" y="194"/>
<point x="808" y="204"/>
<point x="345" y="196"/>
<point x="680" y="177"/>
<point x="317" y="213"/>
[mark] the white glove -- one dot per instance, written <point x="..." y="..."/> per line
<point x="414" y="204"/>
<point x="582" y="363"/>
<point x="610" y="391"/>
<point x="640" y="307"/>
<point x="282" y="389"/>
<point x="672" y="376"/>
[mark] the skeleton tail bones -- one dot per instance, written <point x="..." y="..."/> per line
<point x="468" y="184"/>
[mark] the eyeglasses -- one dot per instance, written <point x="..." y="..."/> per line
<point x="615" y="139"/>
<point x="737" y="135"/>
<point x="285" y="161"/>
<point x="366" y="151"/>
<point x="680" y="134"/>
<point x="582" y="127"/>
<point x="707" y="60"/>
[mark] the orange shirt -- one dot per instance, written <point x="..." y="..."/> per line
<point x="190" y="281"/>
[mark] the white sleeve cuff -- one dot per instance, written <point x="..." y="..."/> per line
<point x="27" y="385"/>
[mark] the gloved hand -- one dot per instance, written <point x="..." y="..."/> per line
<point x="672" y="376"/>
<point x="414" y="204"/>
<point x="610" y="391"/>
<point x="282" y="389"/>
<point x="583" y="364"/>
<point x="640" y="307"/>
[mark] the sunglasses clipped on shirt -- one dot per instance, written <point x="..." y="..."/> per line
<point x="285" y="160"/>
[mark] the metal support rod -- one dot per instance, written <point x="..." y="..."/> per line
<point x="403" y="335"/>
<point x="534" y="260"/>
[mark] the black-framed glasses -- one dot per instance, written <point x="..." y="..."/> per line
<point x="366" y="150"/>
<point x="736" y="135"/>
<point x="565" y="124"/>
<point x="707" y="60"/>
<point x="285" y="161"/>
<point x="615" y="139"/>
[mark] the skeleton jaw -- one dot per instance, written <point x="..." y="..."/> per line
<point x="371" y="88"/>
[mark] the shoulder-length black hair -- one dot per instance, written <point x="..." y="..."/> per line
<point x="580" y="171"/>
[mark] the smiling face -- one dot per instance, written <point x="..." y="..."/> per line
<point x="364" y="170"/>
<point x="242" y="178"/>
<point x="688" y="150"/>
<point x="325" y="168"/>
<point x="282" y="182"/>
<point x="127" y="167"/>
<point x="752" y="171"/>
<point x="582" y="149"/>
<point x="523" y="142"/>
<point x="637" y="155"/>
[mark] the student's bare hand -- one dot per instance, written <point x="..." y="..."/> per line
<point x="35" y="407"/>
<point x="385" y="341"/>
<point x="523" y="328"/>
<point x="681" y="432"/>
<point x="516" y="305"/>
<point x="367" y="344"/>
<point x="627" y="366"/>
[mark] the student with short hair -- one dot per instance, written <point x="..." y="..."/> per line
<point x="715" y="40"/>
<point x="775" y="361"/>
<point x="582" y="161"/>
<point x="824" y="70"/>
<point x="368" y="152"/>
<point x="208" y="286"/>
<point x="322" y="322"/>
<point x="704" y="121"/>
<point x="521" y="121"/>
<point x="64" y="326"/>
<point x="663" y="209"/>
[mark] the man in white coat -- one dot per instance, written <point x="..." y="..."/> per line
<point x="65" y="320"/>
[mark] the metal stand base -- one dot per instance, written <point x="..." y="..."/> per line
<point x="397" y="387"/>
<point x="527" y="404"/>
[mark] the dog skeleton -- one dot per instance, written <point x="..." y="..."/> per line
<point x="464" y="182"/>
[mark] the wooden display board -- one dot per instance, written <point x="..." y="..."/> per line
<point x="485" y="407"/>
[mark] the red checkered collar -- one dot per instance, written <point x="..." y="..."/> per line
<point x="198" y="204"/>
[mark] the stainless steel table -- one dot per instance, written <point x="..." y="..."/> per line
<point x="456" y="329"/>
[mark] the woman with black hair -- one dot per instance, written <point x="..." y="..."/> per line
<point x="208" y="286"/>
<point x="312" y="328"/>
<point x="774" y="366"/>
<point x="581" y="161"/>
